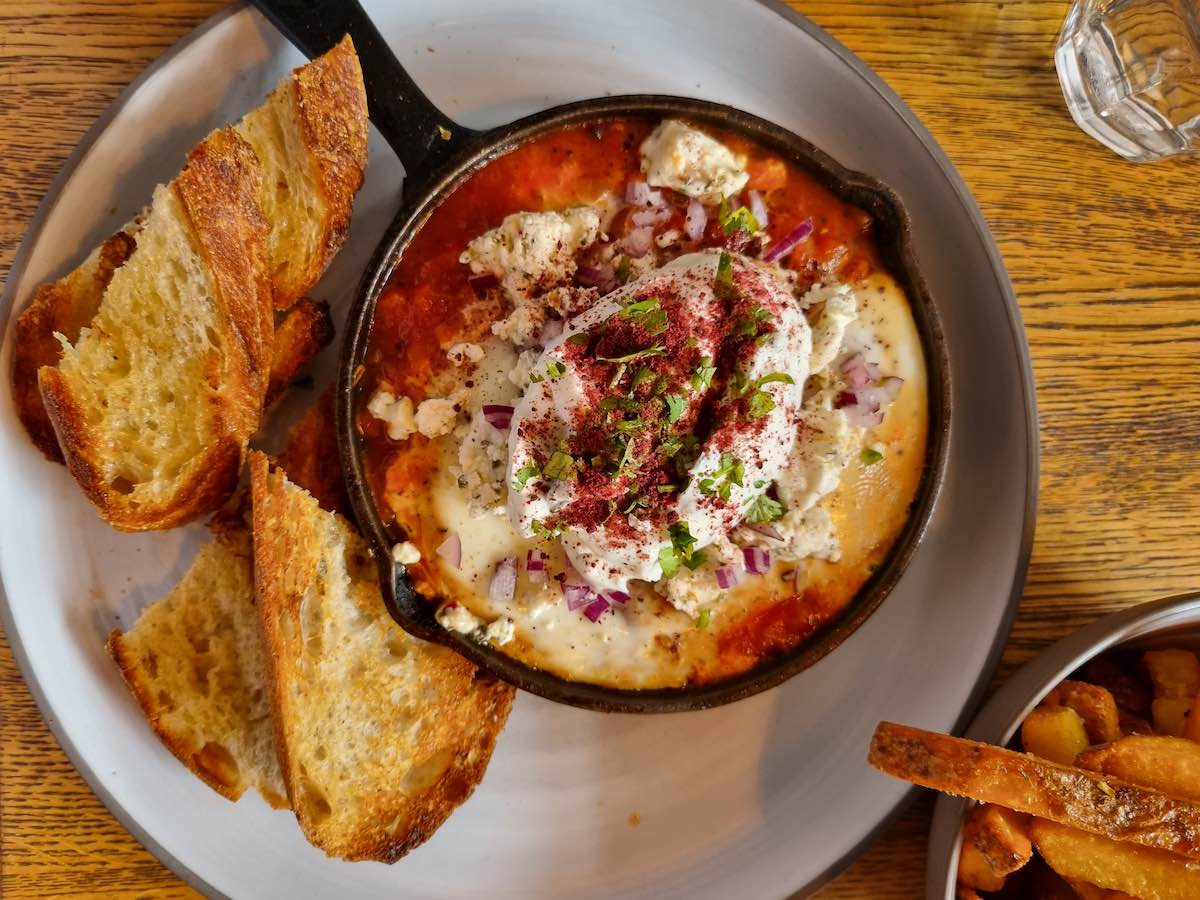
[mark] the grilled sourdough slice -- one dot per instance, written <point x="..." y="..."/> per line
<point x="311" y="139"/>
<point x="194" y="663"/>
<point x="154" y="403"/>
<point x="380" y="736"/>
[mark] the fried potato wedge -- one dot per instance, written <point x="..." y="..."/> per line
<point x="1001" y="836"/>
<point x="1170" y="714"/>
<point x="1167" y="764"/>
<point x="1191" y="725"/>
<point x="1095" y="706"/>
<point x="1076" y="797"/>
<point x="1056" y="733"/>
<point x="974" y="871"/>
<point x="1115" y="865"/>
<point x="1175" y="673"/>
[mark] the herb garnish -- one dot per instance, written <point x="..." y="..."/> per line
<point x="648" y="313"/>
<point x="544" y="531"/>
<point x="624" y="269"/>
<point x="560" y="466"/>
<point x="704" y="374"/>
<point x="641" y="375"/>
<point x="763" y="509"/>
<point x="740" y="219"/>
<point x="749" y="326"/>
<point x="523" y="474"/>
<point x="555" y="369"/>
<point x="870" y="456"/>
<point x="676" y="406"/>
<point x="723" y="285"/>
<point x="682" y="550"/>
<point x="656" y="350"/>
<point x="702" y="620"/>
<point x="730" y="472"/>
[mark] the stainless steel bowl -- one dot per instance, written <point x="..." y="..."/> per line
<point x="1171" y="622"/>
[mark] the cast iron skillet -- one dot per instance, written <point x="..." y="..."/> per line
<point x="438" y="155"/>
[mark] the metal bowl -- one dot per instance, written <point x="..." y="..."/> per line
<point x="438" y="156"/>
<point x="1170" y="622"/>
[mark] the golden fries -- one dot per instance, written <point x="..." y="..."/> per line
<point x="1118" y="866"/>
<point x="1070" y="796"/>
<point x="1056" y="733"/>
<point x="1167" y="764"/>
<point x="974" y="871"/>
<point x="1095" y="706"/>
<point x="1175" y="673"/>
<point x="1169" y="713"/>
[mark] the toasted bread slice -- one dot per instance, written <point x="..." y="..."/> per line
<point x="311" y="456"/>
<point x="60" y="307"/>
<point x="380" y="735"/>
<point x="194" y="662"/>
<point x="311" y="140"/>
<point x="155" y="401"/>
<point x="301" y="332"/>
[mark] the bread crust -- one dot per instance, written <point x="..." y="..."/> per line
<point x="388" y="824"/>
<point x="64" y="306"/>
<point x="301" y="332"/>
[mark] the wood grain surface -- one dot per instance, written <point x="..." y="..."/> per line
<point x="1105" y="257"/>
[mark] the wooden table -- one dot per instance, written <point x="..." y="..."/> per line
<point x="1105" y="257"/>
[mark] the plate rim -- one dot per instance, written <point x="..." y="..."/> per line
<point x="949" y="173"/>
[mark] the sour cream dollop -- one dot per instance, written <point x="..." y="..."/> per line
<point x="659" y="417"/>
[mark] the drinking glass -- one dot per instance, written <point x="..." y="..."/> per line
<point x="1130" y="71"/>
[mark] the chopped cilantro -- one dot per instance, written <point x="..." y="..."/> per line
<point x="656" y="350"/>
<point x="555" y="369"/>
<point x="636" y="501"/>
<point x="749" y="326"/>
<point x="667" y="488"/>
<point x="630" y="426"/>
<point x="649" y="314"/>
<point x="695" y="561"/>
<point x="608" y="404"/>
<point x="536" y="379"/>
<point x="724" y="281"/>
<point x="675" y="407"/>
<point x="624" y="269"/>
<point x="681" y="539"/>
<point x="669" y="561"/>
<point x="560" y="466"/>
<point x="580" y="339"/>
<point x="720" y="482"/>
<point x="703" y="619"/>
<point x="626" y="462"/>
<point x="870" y="457"/>
<point x="704" y="374"/>
<point x="763" y="509"/>
<point x="670" y="446"/>
<point x="740" y="219"/>
<point x="641" y="375"/>
<point x="781" y="377"/>
<point x="760" y="404"/>
<point x="523" y="474"/>
<point x="544" y="531"/>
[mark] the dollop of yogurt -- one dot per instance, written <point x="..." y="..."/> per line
<point x="659" y="416"/>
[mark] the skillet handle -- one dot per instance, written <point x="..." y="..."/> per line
<point x="419" y="133"/>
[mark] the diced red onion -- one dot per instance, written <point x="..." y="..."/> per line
<point x="637" y="243"/>
<point x="638" y="193"/>
<point x="766" y="529"/>
<point x="758" y="208"/>
<point x="864" y="409"/>
<point x="696" y="219"/>
<point x="727" y="577"/>
<point x="789" y="241"/>
<point x="535" y="566"/>
<point x="655" y="215"/>
<point x="451" y="550"/>
<point x="891" y="386"/>
<point x="617" y="597"/>
<point x="578" y="595"/>
<point x="481" y="284"/>
<point x="859" y="373"/>
<point x="504" y="581"/>
<point x="498" y="416"/>
<point x="551" y="329"/>
<point x="593" y="276"/>
<point x="758" y="562"/>
<point x="596" y="609"/>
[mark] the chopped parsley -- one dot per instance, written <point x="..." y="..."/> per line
<point x="560" y="466"/>
<point x="624" y="269"/>
<point x="870" y="457"/>
<point x="704" y="374"/>
<point x="724" y="282"/>
<point x="631" y="426"/>
<point x="681" y="552"/>
<point x="703" y="619"/>
<point x="763" y="509"/>
<point x="649" y="314"/>
<point x="627" y="404"/>
<point x="669" y="561"/>
<point x="523" y="474"/>
<point x="720" y="482"/>
<point x="555" y="369"/>
<point x="749" y="326"/>
<point x="676" y="406"/>
<point x="760" y="404"/>
<point x="740" y="219"/>
<point x="641" y="375"/>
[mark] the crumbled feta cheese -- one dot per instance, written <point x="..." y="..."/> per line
<point x="521" y="373"/>
<point x="522" y="325"/>
<point x="397" y="412"/>
<point x="482" y="456"/>
<point x="435" y="417"/>
<point x="689" y="161"/>
<point x="668" y="238"/>
<point x="453" y="617"/>
<point x="501" y="631"/>
<point x="532" y="250"/>
<point x="462" y="353"/>
<point x="841" y="308"/>
<point x="406" y="553"/>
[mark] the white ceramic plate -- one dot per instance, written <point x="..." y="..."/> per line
<point x="761" y="799"/>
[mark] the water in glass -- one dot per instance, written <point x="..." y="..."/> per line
<point x="1130" y="70"/>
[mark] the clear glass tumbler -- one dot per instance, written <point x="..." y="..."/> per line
<point x="1130" y="70"/>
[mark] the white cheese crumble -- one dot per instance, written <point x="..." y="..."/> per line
<point x="533" y="250"/>
<point x="521" y="327"/>
<point x="684" y="159"/>
<point x="841" y="308"/>
<point x="397" y="412"/>
<point x="436" y="417"/>
<point x="501" y="631"/>
<point x="463" y="352"/>
<point x="453" y="617"/>
<point x="406" y="553"/>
